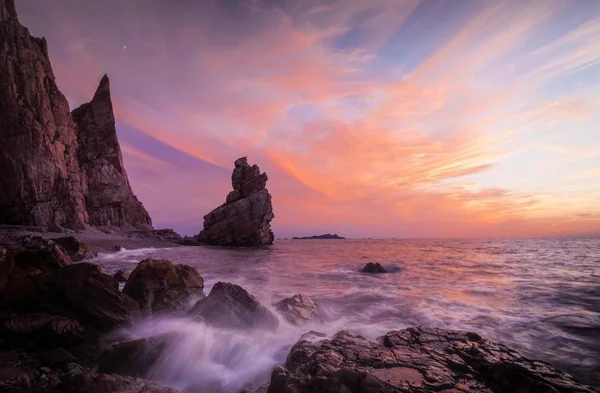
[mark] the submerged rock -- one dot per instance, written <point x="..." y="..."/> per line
<point x="415" y="360"/>
<point x="373" y="268"/>
<point x="158" y="285"/>
<point x="231" y="306"/>
<point x="245" y="218"/>
<point x="298" y="309"/>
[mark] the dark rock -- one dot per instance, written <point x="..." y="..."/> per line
<point x="231" y="306"/>
<point x="245" y="218"/>
<point x="43" y="325"/>
<point x="136" y="357"/>
<point x="415" y="360"/>
<point x="121" y="276"/>
<point x="160" y="286"/>
<point x="298" y="309"/>
<point x="58" y="169"/>
<point x="110" y="199"/>
<point x="76" y="249"/>
<point x="54" y="227"/>
<point x="56" y="357"/>
<point x="41" y="181"/>
<point x="327" y="236"/>
<point x="373" y="268"/>
<point x="95" y="296"/>
<point x="109" y="383"/>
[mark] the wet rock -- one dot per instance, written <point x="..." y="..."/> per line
<point x="95" y="296"/>
<point x="415" y="360"/>
<point x="298" y="309"/>
<point x="54" y="227"/>
<point x="109" y="383"/>
<point x="76" y="249"/>
<point x="245" y="218"/>
<point x="158" y="285"/>
<point x="373" y="268"/>
<point x="121" y="276"/>
<point x="43" y="325"/>
<point x="56" y="357"/>
<point x="135" y="357"/>
<point x="231" y="306"/>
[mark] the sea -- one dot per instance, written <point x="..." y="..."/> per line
<point x="538" y="296"/>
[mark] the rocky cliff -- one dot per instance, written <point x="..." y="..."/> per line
<point x="245" y="218"/>
<point x="110" y="199"/>
<point x="39" y="174"/>
<point x="52" y="170"/>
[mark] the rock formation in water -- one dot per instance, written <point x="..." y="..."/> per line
<point x="415" y="360"/>
<point x="40" y="178"/>
<point x="245" y="218"/>
<point x="109" y="199"/>
<point x="54" y="172"/>
<point x="298" y="309"/>
<point x="374" y="268"/>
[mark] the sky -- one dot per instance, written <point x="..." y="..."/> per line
<point x="378" y="118"/>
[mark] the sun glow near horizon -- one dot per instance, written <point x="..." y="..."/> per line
<point x="373" y="119"/>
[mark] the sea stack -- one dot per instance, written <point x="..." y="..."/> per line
<point x="56" y="169"/>
<point x="110" y="199"/>
<point x="245" y="218"/>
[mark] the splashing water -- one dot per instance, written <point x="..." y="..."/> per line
<point x="541" y="297"/>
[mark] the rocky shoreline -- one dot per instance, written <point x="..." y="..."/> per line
<point x="57" y="316"/>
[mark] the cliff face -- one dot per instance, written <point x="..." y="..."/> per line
<point x="40" y="180"/>
<point x="110" y="199"/>
<point x="53" y="170"/>
<point x="245" y="218"/>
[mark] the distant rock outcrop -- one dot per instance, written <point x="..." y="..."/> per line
<point x="327" y="236"/>
<point x="245" y="218"/>
<point x="53" y="172"/>
<point x="374" y="268"/>
<point x="110" y="199"/>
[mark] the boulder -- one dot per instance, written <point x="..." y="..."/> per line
<point x="415" y="360"/>
<point x="298" y="309"/>
<point x="76" y="249"/>
<point x="231" y="306"/>
<point x="158" y="285"/>
<point x="84" y="290"/>
<point x="375" y="268"/>
<point x="245" y="218"/>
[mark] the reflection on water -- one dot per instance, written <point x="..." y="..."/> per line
<point x="541" y="297"/>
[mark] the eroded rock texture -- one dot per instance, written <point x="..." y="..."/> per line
<point x="53" y="172"/>
<point x="40" y="178"/>
<point x="415" y="360"/>
<point x="245" y="218"/>
<point x="110" y="199"/>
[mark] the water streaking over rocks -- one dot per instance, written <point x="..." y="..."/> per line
<point x="540" y="297"/>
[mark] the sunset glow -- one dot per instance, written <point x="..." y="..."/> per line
<point x="380" y="118"/>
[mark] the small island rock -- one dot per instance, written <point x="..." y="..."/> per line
<point x="298" y="309"/>
<point x="245" y="218"/>
<point x="373" y="268"/>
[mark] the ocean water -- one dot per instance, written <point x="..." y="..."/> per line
<point x="541" y="297"/>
